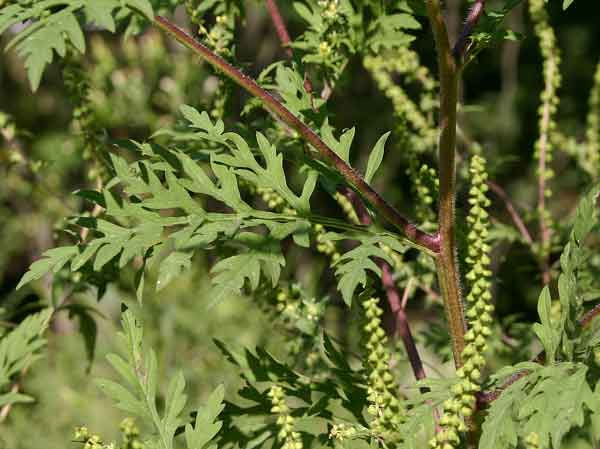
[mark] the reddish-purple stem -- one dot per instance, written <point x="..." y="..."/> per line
<point x="280" y="27"/>
<point x="473" y="17"/>
<point x="402" y="326"/>
<point x="512" y="211"/>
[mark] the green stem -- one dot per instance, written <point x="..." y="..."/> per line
<point x="446" y="262"/>
<point x="421" y="238"/>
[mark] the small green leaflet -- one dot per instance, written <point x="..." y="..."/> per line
<point x="201" y="121"/>
<point x="546" y="331"/>
<point x="272" y="176"/>
<point x="352" y="266"/>
<point x="388" y="31"/>
<point x="143" y="6"/>
<point x="53" y="259"/>
<point x="115" y="240"/>
<point x="376" y="157"/>
<point x="231" y="273"/>
<point x="206" y="427"/>
<point x="419" y="425"/>
<point x="227" y="192"/>
<point x="37" y="49"/>
<point x="14" y="398"/>
<point x="311" y="16"/>
<point x="342" y="146"/>
<point x="174" y="264"/>
<point x="567" y="3"/>
<point x="19" y="348"/>
<point x="290" y="85"/>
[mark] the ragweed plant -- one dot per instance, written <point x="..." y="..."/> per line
<point x="385" y="407"/>
<point x="286" y="211"/>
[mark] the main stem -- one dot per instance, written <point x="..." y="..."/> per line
<point x="446" y="263"/>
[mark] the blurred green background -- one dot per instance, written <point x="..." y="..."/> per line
<point x="137" y="87"/>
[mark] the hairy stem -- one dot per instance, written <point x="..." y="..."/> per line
<point x="382" y="207"/>
<point x="446" y="262"/>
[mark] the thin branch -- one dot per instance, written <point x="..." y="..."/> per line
<point x="410" y="231"/>
<point x="280" y="27"/>
<point x="402" y="326"/>
<point x="512" y="211"/>
<point x="432" y="293"/>
<point x="406" y="293"/>
<point x="473" y="17"/>
<point x="446" y="263"/>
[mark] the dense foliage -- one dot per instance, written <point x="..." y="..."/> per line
<point x="237" y="230"/>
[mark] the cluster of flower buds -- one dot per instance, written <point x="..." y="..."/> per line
<point x="382" y="390"/>
<point x="347" y="207"/>
<point x="271" y="198"/>
<point x="330" y="8"/>
<point x="324" y="245"/>
<point x="90" y="440"/>
<point x="426" y="188"/>
<point x="479" y="306"/>
<point x="290" y="438"/>
<point x="130" y="435"/>
<point x="547" y="110"/>
<point x="288" y="299"/>
<point x="342" y="432"/>
<point x="532" y="441"/>
<point x="418" y="115"/>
